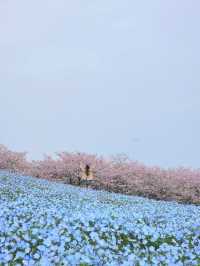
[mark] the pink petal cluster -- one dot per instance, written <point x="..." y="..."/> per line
<point x="14" y="161"/>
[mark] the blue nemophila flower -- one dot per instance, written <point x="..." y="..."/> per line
<point x="19" y="255"/>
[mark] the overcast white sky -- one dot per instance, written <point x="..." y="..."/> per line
<point x="102" y="77"/>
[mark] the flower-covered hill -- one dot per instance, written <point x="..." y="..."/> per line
<point x="48" y="223"/>
<point x="117" y="174"/>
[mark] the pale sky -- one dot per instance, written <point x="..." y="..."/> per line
<point x="102" y="77"/>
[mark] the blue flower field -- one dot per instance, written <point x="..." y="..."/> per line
<point x="48" y="223"/>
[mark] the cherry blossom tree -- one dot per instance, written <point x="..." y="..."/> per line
<point x="117" y="173"/>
